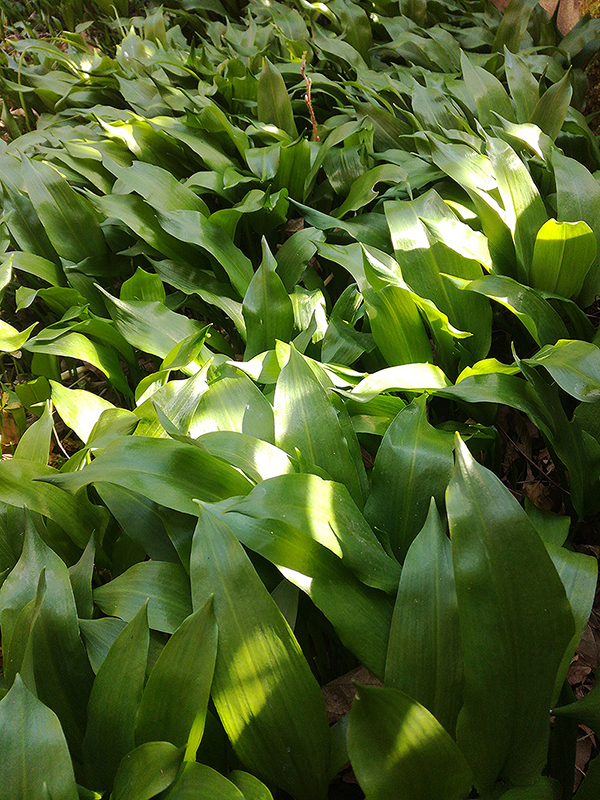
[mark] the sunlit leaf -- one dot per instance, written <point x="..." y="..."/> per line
<point x="562" y="256"/>
<point x="175" y="699"/>
<point x="399" y="750"/>
<point x="257" y="647"/>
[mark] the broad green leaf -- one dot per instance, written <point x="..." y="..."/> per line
<point x="200" y="782"/>
<point x="578" y="572"/>
<point x="457" y="235"/>
<point x="434" y="110"/>
<point x="523" y="206"/>
<point x="487" y="92"/>
<point x="11" y="339"/>
<point x="295" y="253"/>
<point x="530" y="308"/>
<point x="160" y="469"/>
<point x="543" y="789"/>
<point x="523" y="86"/>
<point x="574" y="365"/>
<point x="192" y="227"/>
<point x="69" y="222"/>
<point x="267" y="308"/>
<point x="259" y="666"/>
<point x="380" y="269"/>
<point x="424" y="656"/>
<point x="186" y="353"/>
<point x="164" y="586"/>
<point x="256" y="458"/>
<point x="98" y="636"/>
<point x="407" y="377"/>
<point x="513" y="26"/>
<point x="140" y="519"/>
<point x="551" y="109"/>
<point x="399" y="751"/>
<point x="27" y="230"/>
<point x="150" y="325"/>
<point x="360" y="615"/>
<point x="300" y="399"/>
<point x="158" y="187"/>
<point x="146" y="771"/>
<point x="562" y="256"/>
<point x="75" y="345"/>
<point x="114" y="702"/>
<point x="35" y="757"/>
<point x="586" y="710"/>
<point x="62" y="674"/>
<point x="396" y="324"/>
<point x="234" y="403"/>
<point x="415" y="9"/>
<point x="249" y="786"/>
<point x="414" y="463"/>
<point x="19" y="486"/>
<point x="464" y="164"/>
<point x="174" y="404"/>
<point x="37" y="265"/>
<point x="578" y="451"/>
<point x="324" y="511"/>
<point x="370" y="229"/>
<point x="425" y="260"/>
<point x="505" y="584"/>
<point x="175" y="699"/>
<point x="79" y="409"/>
<point x="362" y="191"/>
<point x="143" y="286"/>
<point x="34" y="444"/>
<point x="145" y="222"/>
<point x="578" y="198"/>
<point x="81" y="574"/>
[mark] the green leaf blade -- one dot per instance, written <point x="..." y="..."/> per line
<point x="399" y="751"/>
<point x="515" y="625"/>
<point x="257" y="646"/>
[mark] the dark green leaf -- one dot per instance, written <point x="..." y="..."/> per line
<point x="164" y="586"/>
<point x="414" y="462"/>
<point x="114" y="702"/>
<point x="574" y="365"/>
<point x="175" y="699"/>
<point x="35" y="758"/>
<point x="267" y="308"/>
<point x="144" y="772"/>
<point x="551" y="109"/>
<point x="199" y="782"/>
<point x="67" y="219"/>
<point x="505" y="583"/>
<point x="360" y="615"/>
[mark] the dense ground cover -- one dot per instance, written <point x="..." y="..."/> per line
<point x="301" y="378"/>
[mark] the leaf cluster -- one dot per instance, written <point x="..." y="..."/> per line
<point x="283" y="272"/>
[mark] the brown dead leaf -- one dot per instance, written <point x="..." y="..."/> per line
<point x="339" y="694"/>
<point x="10" y="433"/>
<point x="585" y="745"/>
